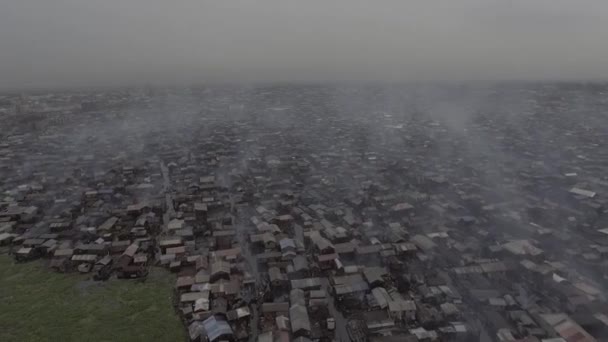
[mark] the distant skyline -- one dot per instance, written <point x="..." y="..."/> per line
<point x="71" y="43"/>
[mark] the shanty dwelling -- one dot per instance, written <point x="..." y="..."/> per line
<point x="300" y="322"/>
<point x="350" y="291"/>
<point x="17" y="213"/>
<point x="170" y="242"/>
<point x="266" y="337"/>
<point x="60" y="259"/>
<point x="60" y="226"/>
<point x="297" y="296"/>
<point x="278" y="280"/>
<point x="33" y="243"/>
<point x="375" y="276"/>
<point x="26" y="254"/>
<point x="284" y="222"/>
<point x="91" y="248"/>
<point x="327" y="261"/>
<point x="318" y="305"/>
<point x="103" y="268"/>
<point x="368" y="255"/>
<point x="132" y="271"/>
<point x="48" y="247"/>
<point x="346" y="250"/>
<point x="270" y="310"/>
<point x="406" y="249"/>
<point x="321" y="244"/>
<point x="378" y="321"/>
<point x="59" y="264"/>
<point x="6" y="238"/>
<point x="200" y="212"/>
<point x="239" y="315"/>
<point x="138" y="209"/>
<point x="219" y="305"/>
<point x="125" y="267"/>
<point x="288" y="248"/>
<point x="198" y="300"/>
<point x="183" y="283"/>
<point x="336" y="234"/>
<point x="402" y="310"/>
<point x="378" y="299"/>
<point x="217" y="329"/>
<point x="299" y="268"/>
<point x="306" y="284"/>
<point x="561" y="325"/>
<point x="220" y="269"/>
<point x="83" y="262"/>
<point x="229" y="254"/>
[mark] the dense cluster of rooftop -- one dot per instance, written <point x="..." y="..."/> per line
<point x="326" y="213"/>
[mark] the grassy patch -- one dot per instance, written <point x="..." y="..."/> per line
<point x="37" y="304"/>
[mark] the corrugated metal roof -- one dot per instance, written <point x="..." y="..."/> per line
<point x="297" y="296"/>
<point x="307" y="283"/>
<point x="381" y="297"/>
<point x="298" y="315"/>
<point x="216" y="328"/>
<point x="352" y="288"/>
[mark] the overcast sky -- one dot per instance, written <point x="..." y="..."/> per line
<point x="113" y="42"/>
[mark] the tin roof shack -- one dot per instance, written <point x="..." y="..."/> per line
<point x="200" y="212"/>
<point x="328" y="261"/>
<point x="20" y="214"/>
<point x="108" y="225"/>
<point x="561" y="325"/>
<point x="60" y="259"/>
<point x="117" y="247"/>
<point x="402" y="310"/>
<point x="220" y="269"/>
<point x="170" y="242"/>
<point x="278" y="279"/>
<point x="284" y="222"/>
<point x="230" y="254"/>
<point x="24" y="254"/>
<point x="522" y="248"/>
<point x="318" y="301"/>
<point x="378" y="322"/>
<point x="215" y="328"/>
<point x="264" y="241"/>
<point x="401" y="210"/>
<point x="196" y="303"/>
<point x="6" y="238"/>
<point x="375" y="276"/>
<point x="306" y="284"/>
<point x="271" y="310"/>
<point x="300" y="322"/>
<point x="379" y="298"/>
<point x="321" y="244"/>
<point x="368" y="255"/>
<point x="288" y="248"/>
<point x="224" y="238"/>
<point x="91" y="248"/>
<point x="335" y="234"/>
<point x="350" y="290"/>
<point x="84" y="262"/>
<point x="125" y="268"/>
<point x="56" y="227"/>
<point x="299" y="269"/>
<point x="138" y="209"/>
<point x="103" y="268"/>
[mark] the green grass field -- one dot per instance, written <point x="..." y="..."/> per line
<point x="37" y="304"/>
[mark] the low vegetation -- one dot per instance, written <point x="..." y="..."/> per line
<point x="37" y="304"/>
